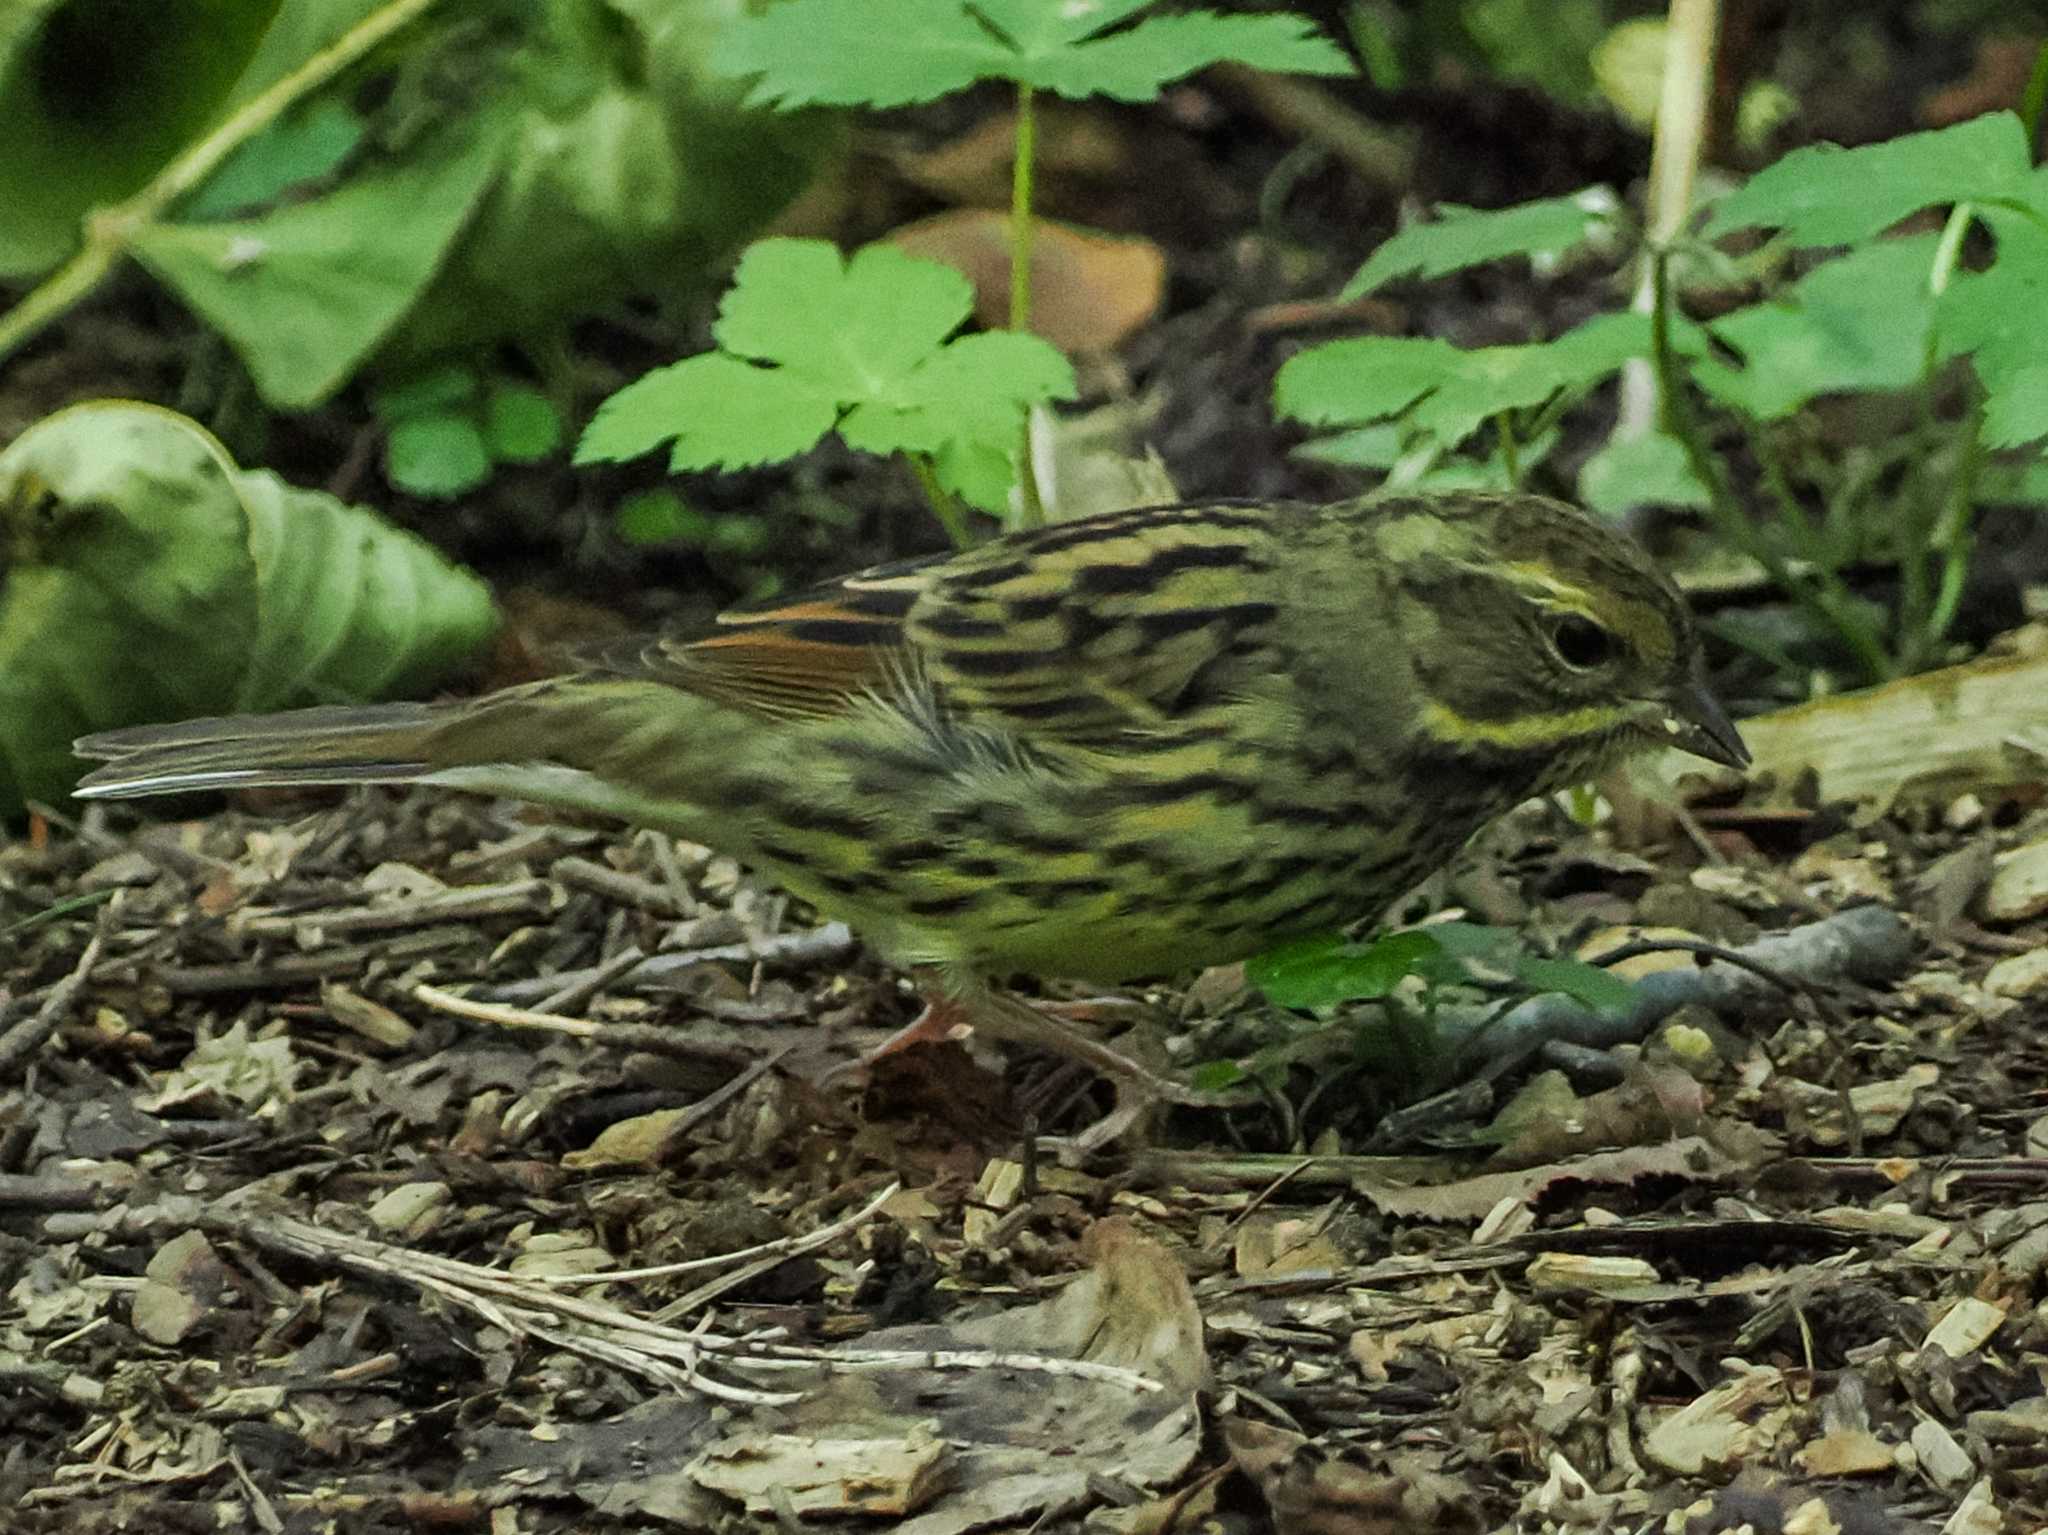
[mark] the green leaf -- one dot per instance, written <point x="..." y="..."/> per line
<point x="854" y="327"/>
<point x="1650" y="470"/>
<point x="722" y="412"/>
<point x="976" y="389"/>
<point x="1379" y="446"/>
<point x="300" y="147"/>
<point x="1464" y="237"/>
<point x="1827" y="195"/>
<point x="829" y="52"/>
<point x="440" y="455"/>
<point x="96" y="97"/>
<point x="1858" y="322"/>
<point x="1446" y="390"/>
<point x="452" y="386"/>
<point x="659" y="517"/>
<point x="1977" y="317"/>
<point x="306" y="293"/>
<point x="813" y="342"/>
<point x="151" y="579"/>
<point x="1600" y="990"/>
<point x="1322" y="972"/>
<point x="1215" y="1076"/>
<point x="521" y="424"/>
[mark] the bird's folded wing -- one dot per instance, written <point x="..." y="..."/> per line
<point x="1085" y="631"/>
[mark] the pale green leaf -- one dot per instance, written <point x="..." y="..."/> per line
<point x="1857" y="322"/>
<point x="1650" y="470"/>
<point x="1986" y="316"/>
<point x="439" y="454"/>
<point x="521" y="424"/>
<point x="854" y="327"/>
<point x="1446" y="390"/>
<point x="1463" y="237"/>
<point x="1827" y="195"/>
<point x="1134" y="65"/>
<point x="137" y="537"/>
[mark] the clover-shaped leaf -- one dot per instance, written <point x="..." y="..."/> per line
<point x="810" y="343"/>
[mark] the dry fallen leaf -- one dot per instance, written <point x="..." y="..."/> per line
<point x="1089" y="291"/>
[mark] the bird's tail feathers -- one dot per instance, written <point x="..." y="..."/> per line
<point x="380" y="743"/>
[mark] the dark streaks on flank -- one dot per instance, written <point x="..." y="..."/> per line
<point x="807" y="815"/>
<point x="855" y="633"/>
<point x="995" y="663"/>
<point x="1219" y="787"/>
<point x="1052" y="891"/>
<point x="1031" y="609"/>
<point x="1111" y="580"/>
<point x="897" y="856"/>
<point x="945" y="905"/>
<point x="952" y="625"/>
<point x="1242" y="615"/>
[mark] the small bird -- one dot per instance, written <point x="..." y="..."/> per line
<point x="1122" y="746"/>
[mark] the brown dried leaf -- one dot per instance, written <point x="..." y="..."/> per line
<point x="1089" y="291"/>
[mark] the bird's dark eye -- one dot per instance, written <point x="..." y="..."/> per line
<point x="1580" y="643"/>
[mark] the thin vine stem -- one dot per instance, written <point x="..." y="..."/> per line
<point x="1032" y="511"/>
<point x="944" y="505"/>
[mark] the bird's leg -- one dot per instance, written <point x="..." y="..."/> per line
<point x="944" y="1018"/>
<point x="958" y="1000"/>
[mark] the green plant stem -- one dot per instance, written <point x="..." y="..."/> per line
<point x="1955" y="538"/>
<point x="1510" y="459"/>
<point x="952" y="517"/>
<point x="1032" y="512"/>
<point x="1823" y="596"/>
<point x="109" y="230"/>
<point x="1021" y="229"/>
<point x="1928" y="512"/>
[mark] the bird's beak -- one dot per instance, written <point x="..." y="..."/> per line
<point x="1698" y="724"/>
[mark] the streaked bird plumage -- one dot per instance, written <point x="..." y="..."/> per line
<point x="1115" y="747"/>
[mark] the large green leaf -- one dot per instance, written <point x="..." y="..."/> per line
<point x="308" y="292"/>
<point x="95" y="97"/>
<point x="151" y="579"/>
<point x="1858" y="322"/>
<point x="491" y="171"/>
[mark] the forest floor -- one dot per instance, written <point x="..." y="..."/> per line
<point x="405" y="1161"/>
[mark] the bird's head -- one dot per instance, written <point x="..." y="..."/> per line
<point x="1537" y="631"/>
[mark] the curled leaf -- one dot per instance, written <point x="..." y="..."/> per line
<point x="148" y="578"/>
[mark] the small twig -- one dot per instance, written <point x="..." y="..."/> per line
<point x="464" y="903"/>
<point x="769" y="1255"/>
<point x="781" y="1249"/>
<point x="587" y="984"/>
<point x="598" y="1330"/>
<point x="613" y="885"/>
<point x="831" y="944"/>
<point x="654" y="1039"/>
<point x="30" y="1035"/>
